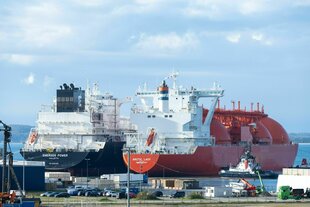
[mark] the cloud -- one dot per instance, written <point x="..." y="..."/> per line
<point x="252" y="6"/>
<point x="139" y="7"/>
<point x="257" y="36"/>
<point x="149" y="2"/>
<point x="19" y="59"/>
<point x="200" y="8"/>
<point x="223" y="9"/>
<point x="45" y="35"/>
<point x="90" y="3"/>
<point x="301" y="3"/>
<point x="260" y="37"/>
<point x="167" y="42"/>
<point x="233" y="38"/>
<point x="37" y="25"/>
<point x="247" y="36"/>
<point x="29" y="80"/>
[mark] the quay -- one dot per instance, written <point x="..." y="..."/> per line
<point x="169" y="202"/>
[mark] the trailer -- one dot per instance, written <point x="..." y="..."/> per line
<point x="217" y="192"/>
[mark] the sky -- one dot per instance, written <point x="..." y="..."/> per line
<point x="257" y="50"/>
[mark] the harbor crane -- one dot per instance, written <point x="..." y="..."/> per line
<point x="7" y="170"/>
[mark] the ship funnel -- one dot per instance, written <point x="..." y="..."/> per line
<point x="163" y="99"/>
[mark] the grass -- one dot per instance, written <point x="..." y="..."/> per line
<point x="146" y="196"/>
<point x="195" y="195"/>
<point x="105" y="199"/>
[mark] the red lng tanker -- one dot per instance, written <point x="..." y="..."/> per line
<point x="178" y="137"/>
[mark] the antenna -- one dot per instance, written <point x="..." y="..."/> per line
<point x="173" y="76"/>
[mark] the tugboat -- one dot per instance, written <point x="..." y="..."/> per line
<point x="247" y="168"/>
<point x="304" y="164"/>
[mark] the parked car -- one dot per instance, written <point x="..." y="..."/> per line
<point x="62" y="194"/>
<point x="134" y="190"/>
<point x="157" y="193"/>
<point x="132" y="195"/>
<point x="123" y="194"/>
<point x="52" y="194"/>
<point x="73" y="191"/>
<point x="46" y="194"/>
<point x="97" y="191"/>
<point x="92" y="193"/>
<point x="178" y="194"/>
<point x="111" y="193"/>
<point x="114" y="194"/>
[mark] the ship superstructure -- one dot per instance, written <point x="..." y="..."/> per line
<point x="78" y="124"/>
<point x="172" y="122"/>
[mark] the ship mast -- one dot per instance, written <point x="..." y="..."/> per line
<point x="173" y="76"/>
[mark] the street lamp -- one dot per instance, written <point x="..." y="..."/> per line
<point x="128" y="149"/>
<point x="87" y="159"/>
<point x="24" y="167"/>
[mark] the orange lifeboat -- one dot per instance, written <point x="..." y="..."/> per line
<point x="32" y="137"/>
<point x="151" y="137"/>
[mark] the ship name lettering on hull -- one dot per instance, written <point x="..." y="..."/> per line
<point x="140" y="160"/>
<point x="54" y="155"/>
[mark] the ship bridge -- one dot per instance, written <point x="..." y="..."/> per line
<point x="174" y="114"/>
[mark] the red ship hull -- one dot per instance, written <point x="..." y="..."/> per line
<point x="207" y="161"/>
<point x="269" y="144"/>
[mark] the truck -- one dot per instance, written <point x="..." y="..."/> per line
<point x="287" y="192"/>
